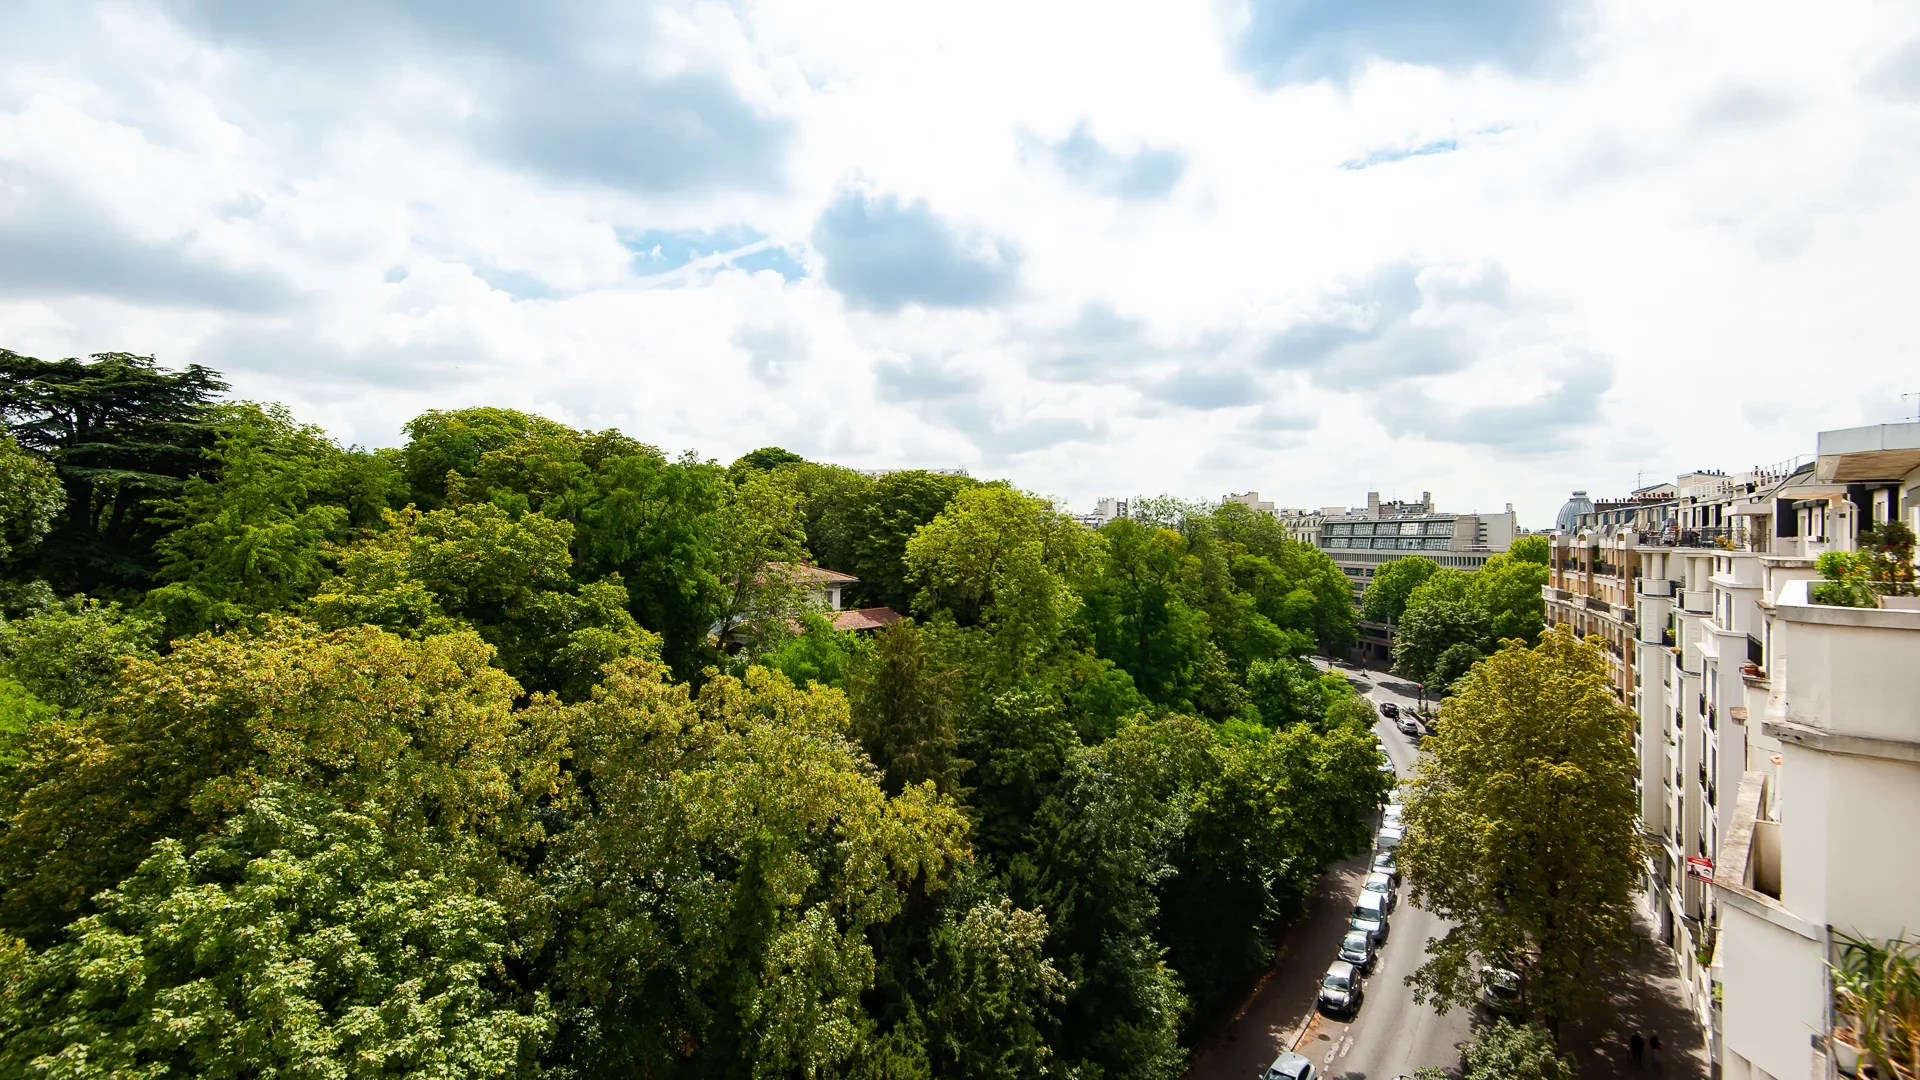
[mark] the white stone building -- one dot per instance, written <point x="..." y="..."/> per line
<point x="1778" y="740"/>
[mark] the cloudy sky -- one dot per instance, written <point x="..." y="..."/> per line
<point x="1494" y="249"/>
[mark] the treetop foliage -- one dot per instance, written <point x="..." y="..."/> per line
<point x="1523" y="827"/>
<point x="524" y="750"/>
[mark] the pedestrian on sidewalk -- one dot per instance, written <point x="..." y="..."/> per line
<point x="1637" y="1049"/>
<point x="1653" y="1044"/>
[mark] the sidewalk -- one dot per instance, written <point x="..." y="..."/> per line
<point x="1647" y="996"/>
<point x="1243" y="1043"/>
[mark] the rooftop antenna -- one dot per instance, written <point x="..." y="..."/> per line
<point x="1916" y="411"/>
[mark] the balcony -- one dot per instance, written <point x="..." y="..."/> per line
<point x="1715" y="537"/>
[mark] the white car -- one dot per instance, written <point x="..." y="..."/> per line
<point x="1381" y="882"/>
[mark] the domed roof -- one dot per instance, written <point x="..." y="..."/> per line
<point x="1570" y="514"/>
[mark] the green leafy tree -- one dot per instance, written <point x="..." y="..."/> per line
<point x="838" y="504"/>
<point x="903" y="711"/>
<point x="423" y="728"/>
<point x="1429" y="630"/>
<point x="1288" y="691"/>
<point x="992" y="541"/>
<point x="507" y="577"/>
<point x="760" y="545"/>
<point x="1507" y="1051"/>
<point x="296" y="941"/>
<point x="756" y="850"/>
<point x="1533" y="549"/>
<point x="656" y="523"/>
<point x="1454" y="663"/>
<point x="1270" y="815"/>
<point x="252" y="536"/>
<point x="818" y="653"/>
<point x="441" y="442"/>
<point x="20" y="713"/>
<point x="70" y="655"/>
<point x="896" y="507"/>
<point x="765" y="459"/>
<point x="1386" y="596"/>
<point x="991" y="994"/>
<point x="1107" y="836"/>
<point x="1522" y="828"/>
<point x="1136" y="611"/>
<point x="1508" y="588"/>
<point x="121" y="431"/>
<point x="31" y="498"/>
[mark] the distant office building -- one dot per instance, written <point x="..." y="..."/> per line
<point x="1105" y="510"/>
<point x="1361" y="539"/>
<point x="1252" y="501"/>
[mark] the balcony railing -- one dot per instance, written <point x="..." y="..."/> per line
<point x="1721" y="537"/>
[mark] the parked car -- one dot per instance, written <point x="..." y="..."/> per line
<point x="1357" y="949"/>
<point x="1390" y="814"/>
<point x="1389" y="837"/>
<point x="1382" y="883"/>
<point x="1389" y="710"/>
<point x="1289" y="1066"/>
<point x="1386" y="764"/>
<point x="1340" y="988"/>
<point x="1499" y="991"/>
<point x="1370" y="914"/>
<point x="1385" y="863"/>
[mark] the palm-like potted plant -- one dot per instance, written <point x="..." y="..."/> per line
<point x="1876" y="999"/>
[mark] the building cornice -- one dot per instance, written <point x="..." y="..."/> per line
<point x="1837" y="742"/>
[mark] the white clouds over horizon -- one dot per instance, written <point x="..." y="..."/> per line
<point x="1492" y="251"/>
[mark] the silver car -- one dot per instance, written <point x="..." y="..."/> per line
<point x="1389" y="837"/>
<point x="1385" y="863"/>
<point x="1289" y="1066"/>
<point x="1370" y="914"/>
<point x="1381" y="883"/>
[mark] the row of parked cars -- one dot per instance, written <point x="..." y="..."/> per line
<point x="1344" y="984"/>
<point x="1371" y="921"/>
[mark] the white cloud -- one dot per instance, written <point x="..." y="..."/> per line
<point x="1647" y="236"/>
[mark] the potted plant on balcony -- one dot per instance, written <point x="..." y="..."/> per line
<point x="1880" y="574"/>
<point x="1876" y="999"/>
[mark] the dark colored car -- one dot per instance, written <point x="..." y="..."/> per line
<point x="1357" y="949"/>
<point x="1340" y="989"/>
<point x="1389" y="710"/>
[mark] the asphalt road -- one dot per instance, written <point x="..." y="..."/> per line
<point x="1390" y="1035"/>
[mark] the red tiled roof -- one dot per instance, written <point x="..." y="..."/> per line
<point x="866" y="618"/>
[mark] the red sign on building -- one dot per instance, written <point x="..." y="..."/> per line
<point x="1699" y="867"/>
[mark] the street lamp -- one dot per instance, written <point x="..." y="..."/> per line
<point x="1423" y="698"/>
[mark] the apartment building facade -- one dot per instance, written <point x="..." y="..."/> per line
<point x="1776" y="737"/>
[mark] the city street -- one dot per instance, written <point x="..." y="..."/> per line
<point x="1390" y="1035"/>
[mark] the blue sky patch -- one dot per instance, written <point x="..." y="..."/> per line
<point x="1382" y="157"/>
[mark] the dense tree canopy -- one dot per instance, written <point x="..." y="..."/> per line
<point x="1393" y="583"/>
<point x="526" y="750"/>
